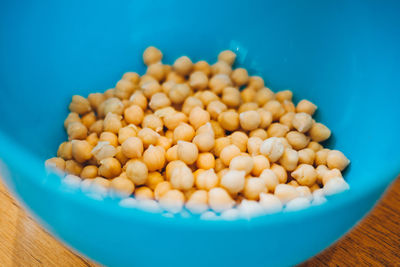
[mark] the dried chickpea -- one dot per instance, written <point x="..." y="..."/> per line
<point x="229" y="120"/>
<point x="284" y="95"/>
<point x="272" y="148"/>
<point x="123" y="89"/>
<point x="242" y="163"/>
<point x="76" y="130"/>
<point x="205" y="161"/>
<point x="172" y="153"/>
<point x="260" y="164"/>
<point x="148" y="136"/>
<point x="152" y="55"/>
<point x="111" y="138"/>
<point x="80" y="105"/>
<point x="336" y="160"/>
<point x="240" y="140"/>
<point x="319" y="132"/>
<point x="187" y="152"/>
<point x="221" y="67"/>
<point x="280" y="172"/>
<point x="112" y="123"/>
<point x="65" y="150"/>
<point x="154" y="157"/>
<point x="219" y="199"/>
<point x="198" y="117"/>
<point x="321" y="157"/>
<point x="276" y="109"/>
<point x="260" y="133"/>
<point x="207" y="97"/>
<point x="164" y="142"/>
<point x="72" y="117"/>
<point x="315" y="146"/>
<point x="137" y="172"/>
<point x="202" y="66"/>
<point x="248" y="94"/>
<point x="96" y="99"/>
<point x="161" y="189"/>
<point x="270" y="179"/>
<point x="289" y="159"/>
<point x="144" y="193"/>
<point x="253" y="145"/>
<point x="233" y="181"/>
<point x="249" y="120"/>
<point x="297" y="140"/>
<point x="166" y="86"/>
<point x="156" y="70"/>
<point x="227" y="56"/>
<point x="306" y="107"/>
<point x="178" y="93"/>
<point x="132" y="147"/>
<point x="198" y="202"/>
<point x="122" y="187"/>
<point x="81" y="150"/>
<point x="183" y="65"/>
<point x="215" y="108"/>
<point x="97" y="127"/>
<point x="133" y="77"/>
<point x="305" y="174"/>
<point x="110" y="168"/>
<point x="228" y="153"/>
<point x="138" y="99"/>
<point x="88" y="119"/>
<point x="153" y="122"/>
<point x="218" y="82"/>
<point x="247" y="106"/>
<point x="253" y="187"/>
<point x="307" y="156"/>
<point x="183" y="132"/>
<point x="198" y="80"/>
<point x="58" y="163"/>
<point x="263" y="95"/>
<point x="287" y="119"/>
<point x="277" y="130"/>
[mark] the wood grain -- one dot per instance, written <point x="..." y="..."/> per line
<point x="374" y="242"/>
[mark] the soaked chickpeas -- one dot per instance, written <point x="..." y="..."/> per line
<point x="201" y="137"/>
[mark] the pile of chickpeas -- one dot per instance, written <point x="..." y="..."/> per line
<point x="201" y="137"/>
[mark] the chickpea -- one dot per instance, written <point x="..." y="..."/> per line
<point x="265" y="117"/>
<point x="81" y="150"/>
<point x="284" y="95"/>
<point x="109" y="93"/>
<point x="289" y="159"/>
<point x="215" y="108"/>
<point x="202" y="66"/>
<point x="88" y="119"/>
<point x="120" y="156"/>
<point x="207" y="180"/>
<point x="148" y="136"/>
<point x="219" y="200"/>
<point x="166" y="86"/>
<point x="207" y="97"/>
<point x="272" y="148"/>
<point x="138" y="99"/>
<point x="250" y="120"/>
<point x="65" y="150"/>
<point x="198" y="80"/>
<point x="306" y="156"/>
<point x="277" y="130"/>
<point x="280" y="172"/>
<point x="73" y="167"/>
<point x="204" y="141"/>
<point x="305" y="174"/>
<point x="183" y="132"/>
<point x="76" y="130"/>
<point x="270" y="179"/>
<point x="58" y="163"/>
<point x="137" y="172"/>
<point x="242" y="163"/>
<point x="161" y="189"/>
<point x="171" y="121"/>
<point x="133" y="77"/>
<point x="152" y="55"/>
<point x="336" y="160"/>
<point x="288" y="106"/>
<point x="109" y="168"/>
<point x="150" y="88"/>
<point x="315" y="146"/>
<point x="221" y="67"/>
<point x="240" y="76"/>
<point x="80" y="105"/>
<point x="123" y="89"/>
<point x="126" y="132"/>
<point x="178" y="93"/>
<point x="263" y="95"/>
<point x="218" y="82"/>
<point x="229" y="120"/>
<point x="187" y="152"/>
<point x="306" y="107"/>
<point x="198" y="117"/>
<point x="144" y="193"/>
<point x="153" y="179"/>
<point x="248" y="94"/>
<point x="297" y="140"/>
<point x="239" y="139"/>
<point x="219" y="165"/>
<point x="72" y="117"/>
<point x="260" y="133"/>
<point x="253" y="145"/>
<point x="122" y="187"/>
<point x="220" y="144"/>
<point x="231" y="96"/>
<point x="302" y="122"/>
<point x="111" y="138"/>
<point x="227" y="56"/>
<point x="172" y="201"/>
<point x="260" y="164"/>
<point x="329" y="174"/>
<point x="321" y="156"/>
<point x="321" y="171"/>
<point x="183" y="65"/>
<point x="287" y="119"/>
<point x="153" y="122"/>
<point x="228" y="153"/>
<point x="96" y="99"/>
<point x="286" y="192"/>
<point x="157" y="71"/>
<point x="182" y="177"/>
<point x="276" y="109"/>
<point x="132" y="147"/>
<point x="159" y="100"/>
<point x="247" y="107"/>
<point x="190" y="103"/>
<point x="253" y="187"/>
<point x="198" y="202"/>
<point x="112" y="123"/>
<point x="113" y="105"/>
<point x="233" y="181"/>
<point x="175" y="77"/>
<point x="172" y="153"/>
<point x="205" y="161"/>
<point x="319" y="132"/>
<point x="97" y="127"/>
<point x="217" y="129"/>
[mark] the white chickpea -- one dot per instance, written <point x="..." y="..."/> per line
<point x="233" y="181"/>
<point x="182" y="177"/>
<point x="227" y="56"/>
<point x="305" y="174"/>
<point x="207" y="180"/>
<point x="289" y="159"/>
<point x="219" y="200"/>
<point x="198" y="117"/>
<point x="137" y="172"/>
<point x="307" y="156"/>
<point x="183" y="65"/>
<point x="336" y="160"/>
<point x="231" y="96"/>
<point x="249" y="120"/>
<point x="319" y="132"/>
<point x="228" y="153"/>
<point x="242" y="163"/>
<point x="152" y="55"/>
<point x="272" y="148"/>
<point x="253" y="187"/>
<point x="198" y="202"/>
<point x="286" y="192"/>
<point x="302" y="122"/>
<point x="187" y="152"/>
<point x="183" y="132"/>
<point x="204" y="141"/>
<point x="240" y="76"/>
<point x="306" y="107"/>
<point x="215" y="108"/>
<point x="154" y="157"/>
<point x="198" y="80"/>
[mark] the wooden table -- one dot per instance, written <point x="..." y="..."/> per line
<point x="374" y="242"/>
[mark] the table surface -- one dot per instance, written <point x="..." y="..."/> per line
<point x="374" y="242"/>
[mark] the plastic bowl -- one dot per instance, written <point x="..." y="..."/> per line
<point x="342" y="55"/>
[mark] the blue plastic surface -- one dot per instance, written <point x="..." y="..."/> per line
<point x="342" y="55"/>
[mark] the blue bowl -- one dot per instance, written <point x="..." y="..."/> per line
<point x="342" y="55"/>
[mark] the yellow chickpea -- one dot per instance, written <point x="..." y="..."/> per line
<point x="240" y="76"/>
<point x="202" y="66"/>
<point x="315" y="146"/>
<point x="207" y="179"/>
<point x="204" y="141"/>
<point x="276" y="109"/>
<point x="336" y="160"/>
<point x="218" y="82"/>
<point x="306" y="107"/>
<point x="183" y="132"/>
<point x="113" y="105"/>
<point x="277" y="130"/>
<point x="280" y="172"/>
<point x="305" y="174"/>
<point x="58" y="163"/>
<point x="288" y="106"/>
<point x="172" y="201"/>
<point x="133" y="77"/>
<point x="111" y="138"/>
<point x="173" y="76"/>
<point x="172" y="153"/>
<point x="217" y="129"/>
<point x="205" y="161"/>
<point x="123" y="89"/>
<point x="219" y="199"/>
<point x="253" y="187"/>
<point x="152" y="55"/>
<point x="289" y="159"/>
<point x="190" y="103"/>
<point x="247" y="107"/>
<point x="321" y="170"/>
<point x="137" y="171"/>
<point x="242" y="163"/>
<point x="233" y="181"/>
<point x="72" y="117"/>
<point x="159" y="100"/>
<point x="215" y="108"/>
<point x="182" y="177"/>
<point x="260" y="164"/>
<point x="231" y="96"/>
<point x="284" y="95"/>
<point x="97" y="127"/>
<point x="179" y="93"/>
<point x="65" y="150"/>
<point x="321" y="157"/>
<point x="287" y="119"/>
<point x="171" y="121"/>
<point x="187" y="152"/>
<point x="132" y="147"/>
<point x="122" y="187"/>
<point x="266" y="118"/>
<point x="96" y="99"/>
<point x="270" y="179"/>
<point x="198" y="80"/>
<point x="228" y="153"/>
<point x="109" y="167"/>
<point x="220" y="144"/>
<point x="112" y="123"/>
<point x="154" y="158"/>
<point x="138" y="99"/>
<point x="120" y="156"/>
<point x="219" y="165"/>
<point x="198" y="202"/>
<point x="297" y="140"/>
<point x="286" y="192"/>
<point x="263" y="95"/>
<point x="198" y="117"/>
<point x="148" y="136"/>
<point x="227" y="56"/>
<point x="81" y="150"/>
<point x="272" y="148"/>
<point x="229" y="120"/>
<point x="88" y="119"/>
<point x="248" y="94"/>
<point x="80" y="105"/>
<point x="76" y="130"/>
<point x="302" y="122"/>
<point x="319" y="132"/>
<point x="207" y="97"/>
<point x="221" y="67"/>
<point x="153" y="179"/>
<point x="253" y="145"/>
<point x="150" y="88"/>
<point x="161" y="189"/>
<point x="110" y="93"/>
<point x="306" y="156"/>
<point x="261" y="133"/>
<point x="249" y="120"/>
<point x="153" y="122"/>
<point x="239" y="139"/>
<point x="144" y="193"/>
<point x="157" y="71"/>
<point x="329" y="174"/>
<point x="126" y="132"/>
<point x="183" y="65"/>
<point x="256" y="82"/>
